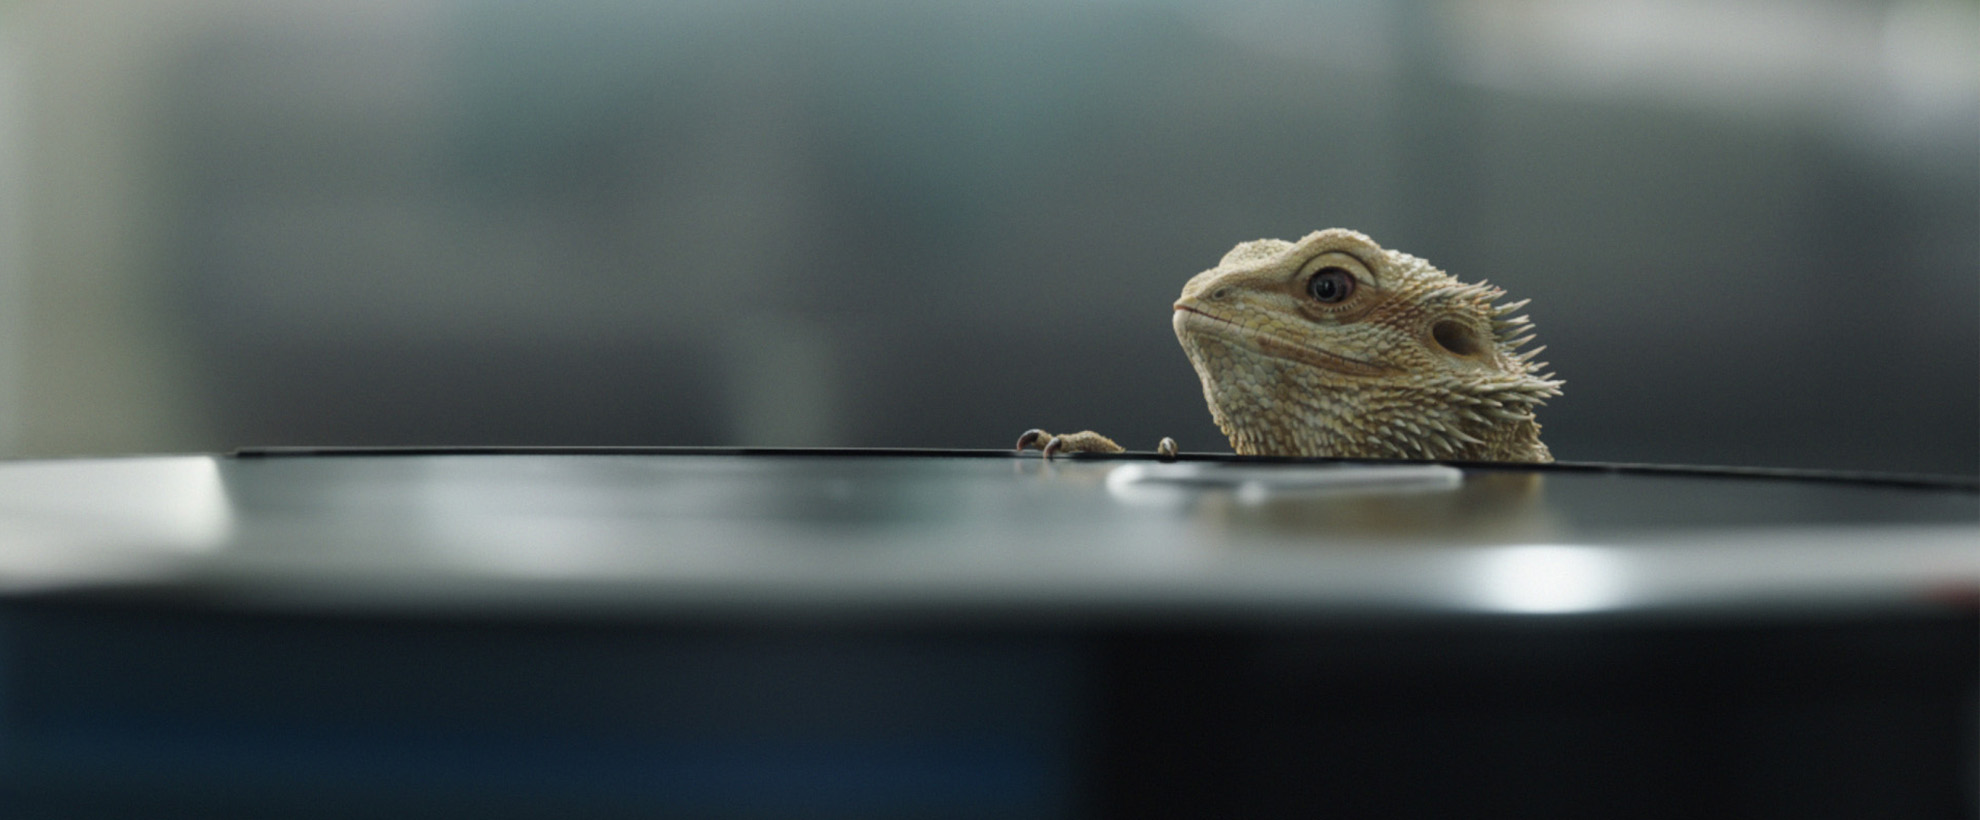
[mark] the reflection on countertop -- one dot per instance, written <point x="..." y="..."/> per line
<point x="874" y="529"/>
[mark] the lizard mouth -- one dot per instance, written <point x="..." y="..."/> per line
<point x="1196" y="322"/>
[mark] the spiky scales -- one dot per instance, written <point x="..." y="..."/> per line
<point x="1403" y="361"/>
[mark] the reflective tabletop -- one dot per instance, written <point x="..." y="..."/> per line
<point x="534" y="634"/>
<point x="843" y="530"/>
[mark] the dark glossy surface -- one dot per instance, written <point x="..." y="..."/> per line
<point x="873" y="635"/>
<point x="660" y="530"/>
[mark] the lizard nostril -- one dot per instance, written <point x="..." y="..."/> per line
<point x="1220" y="294"/>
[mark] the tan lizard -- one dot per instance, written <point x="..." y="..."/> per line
<point x="1335" y="346"/>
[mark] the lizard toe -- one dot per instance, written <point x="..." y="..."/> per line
<point x="1033" y="439"/>
<point x="1084" y="441"/>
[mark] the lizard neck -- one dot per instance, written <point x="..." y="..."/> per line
<point x="1284" y="408"/>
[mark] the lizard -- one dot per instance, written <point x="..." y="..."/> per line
<point x="1334" y="346"/>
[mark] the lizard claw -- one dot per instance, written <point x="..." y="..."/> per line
<point x="1033" y="439"/>
<point x="1166" y="449"/>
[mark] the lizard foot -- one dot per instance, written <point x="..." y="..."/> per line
<point x="1084" y="441"/>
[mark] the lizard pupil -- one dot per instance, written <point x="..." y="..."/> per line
<point x="1330" y="285"/>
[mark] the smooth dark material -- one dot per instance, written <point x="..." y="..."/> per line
<point x="844" y="634"/>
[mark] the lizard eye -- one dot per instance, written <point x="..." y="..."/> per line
<point x="1330" y="285"/>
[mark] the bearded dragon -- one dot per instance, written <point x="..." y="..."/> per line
<point x="1334" y="346"/>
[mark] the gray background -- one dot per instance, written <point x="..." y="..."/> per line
<point x="1750" y="230"/>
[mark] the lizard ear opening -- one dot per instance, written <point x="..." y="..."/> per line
<point x="1456" y="338"/>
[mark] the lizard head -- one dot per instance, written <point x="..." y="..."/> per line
<point x="1335" y="346"/>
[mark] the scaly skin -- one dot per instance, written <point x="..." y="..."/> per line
<point x="1410" y="364"/>
<point x="1403" y="361"/>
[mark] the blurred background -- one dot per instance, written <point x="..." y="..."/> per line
<point x="1750" y="229"/>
